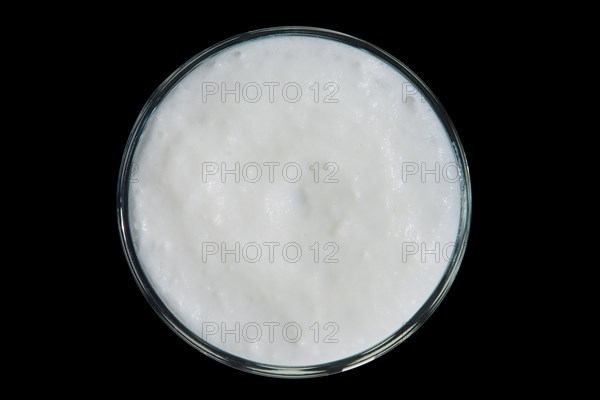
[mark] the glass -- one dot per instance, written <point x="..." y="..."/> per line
<point x="128" y="169"/>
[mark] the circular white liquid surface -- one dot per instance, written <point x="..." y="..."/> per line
<point x="370" y="220"/>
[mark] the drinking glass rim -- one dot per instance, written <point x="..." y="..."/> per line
<point x="240" y="363"/>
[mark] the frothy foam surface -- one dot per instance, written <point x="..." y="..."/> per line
<point x="309" y="311"/>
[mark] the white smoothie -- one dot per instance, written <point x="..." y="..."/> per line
<point x="295" y="200"/>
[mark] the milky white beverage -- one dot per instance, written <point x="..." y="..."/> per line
<point x="295" y="200"/>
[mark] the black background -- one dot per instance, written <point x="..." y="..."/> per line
<point x="463" y="342"/>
